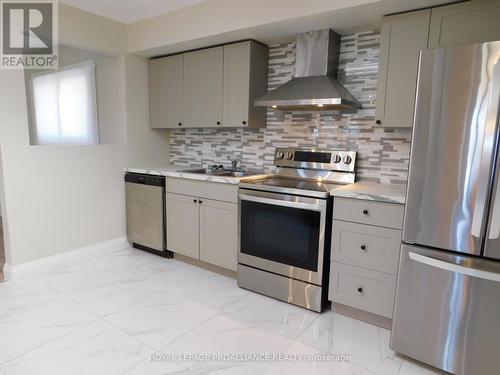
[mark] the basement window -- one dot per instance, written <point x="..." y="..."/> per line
<point x="64" y="107"/>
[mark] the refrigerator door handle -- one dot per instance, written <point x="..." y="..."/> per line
<point x="494" y="230"/>
<point x="452" y="267"/>
<point x="489" y="144"/>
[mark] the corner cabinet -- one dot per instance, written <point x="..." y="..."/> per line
<point x="212" y="87"/>
<point x="402" y="38"/>
<point x="202" y="221"/>
<point x="463" y="23"/>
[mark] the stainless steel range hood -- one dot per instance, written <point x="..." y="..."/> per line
<point x="315" y="85"/>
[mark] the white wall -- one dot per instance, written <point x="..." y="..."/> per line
<point x="143" y="143"/>
<point x="209" y="21"/>
<point x="59" y="198"/>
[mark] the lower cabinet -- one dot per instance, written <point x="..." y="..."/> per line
<point x="203" y="229"/>
<point x="183" y="225"/>
<point x="219" y="233"/>
<point x="366" y="239"/>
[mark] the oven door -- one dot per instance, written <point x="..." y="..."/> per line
<point x="283" y="234"/>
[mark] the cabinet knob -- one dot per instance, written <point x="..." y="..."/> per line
<point x="180" y="124"/>
<point x="378" y="122"/>
<point x="360" y="290"/>
<point x="363" y="247"/>
<point x="218" y="122"/>
<point x="195" y="200"/>
<point x="201" y="202"/>
<point x="365" y="212"/>
<point x="244" y="122"/>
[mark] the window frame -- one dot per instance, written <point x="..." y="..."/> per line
<point x="33" y="130"/>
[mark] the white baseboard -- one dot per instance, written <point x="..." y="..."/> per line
<point x="77" y="255"/>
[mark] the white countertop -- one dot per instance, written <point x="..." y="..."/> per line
<point x="372" y="191"/>
<point x="183" y="172"/>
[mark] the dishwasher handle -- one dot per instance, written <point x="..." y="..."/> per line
<point x="145" y="179"/>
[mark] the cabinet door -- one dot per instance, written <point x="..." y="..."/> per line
<point x="465" y="23"/>
<point x="236" y="84"/>
<point x="403" y="36"/>
<point x="203" y="74"/>
<point x="219" y="233"/>
<point x="166" y="91"/>
<point x="183" y="225"/>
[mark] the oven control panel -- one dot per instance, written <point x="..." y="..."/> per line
<point x="332" y="160"/>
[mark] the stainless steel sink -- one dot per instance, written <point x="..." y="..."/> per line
<point x="216" y="172"/>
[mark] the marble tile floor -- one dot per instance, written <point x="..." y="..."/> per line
<point x="131" y="312"/>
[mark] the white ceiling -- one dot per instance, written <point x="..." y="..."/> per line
<point x="128" y="11"/>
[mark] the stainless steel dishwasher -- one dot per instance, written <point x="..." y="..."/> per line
<point x="145" y="201"/>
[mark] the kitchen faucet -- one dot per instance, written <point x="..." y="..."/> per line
<point x="234" y="162"/>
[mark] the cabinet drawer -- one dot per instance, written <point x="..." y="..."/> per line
<point x="366" y="246"/>
<point x="203" y="189"/>
<point x="362" y="289"/>
<point x="387" y="215"/>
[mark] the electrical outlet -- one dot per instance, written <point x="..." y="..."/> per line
<point x="207" y="148"/>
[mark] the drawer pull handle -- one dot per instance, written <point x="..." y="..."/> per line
<point x="201" y="202"/>
<point x="363" y="247"/>
<point x="195" y="200"/>
<point x="360" y="290"/>
<point x="365" y="212"/>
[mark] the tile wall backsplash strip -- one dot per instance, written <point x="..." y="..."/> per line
<point x="383" y="154"/>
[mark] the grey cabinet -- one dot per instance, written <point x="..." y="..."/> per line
<point x="182" y="225"/>
<point x="219" y="233"/>
<point x="213" y="87"/>
<point x="166" y="92"/>
<point x="402" y="37"/>
<point x="245" y="80"/>
<point x="463" y="23"/>
<point x="202" y="221"/>
<point x="366" y="238"/>
<point x="202" y="103"/>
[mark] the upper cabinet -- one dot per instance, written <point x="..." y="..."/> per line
<point x="166" y="91"/>
<point x="469" y="22"/>
<point x="245" y="80"/>
<point x="213" y="87"/>
<point x="402" y="37"/>
<point x="203" y="72"/>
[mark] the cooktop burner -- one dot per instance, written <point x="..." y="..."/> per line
<point x="312" y="172"/>
<point x="291" y="186"/>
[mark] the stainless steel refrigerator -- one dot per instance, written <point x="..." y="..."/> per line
<point x="447" y="310"/>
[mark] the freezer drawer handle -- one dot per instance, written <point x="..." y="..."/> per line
<point x="452" y="267"/>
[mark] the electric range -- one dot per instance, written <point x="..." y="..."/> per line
<point x="285" y="225"/>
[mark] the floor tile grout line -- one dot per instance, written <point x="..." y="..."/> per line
<point x="44" y="344"/>
<point x="102" y="318"/>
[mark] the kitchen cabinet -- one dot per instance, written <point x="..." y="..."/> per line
<point x="402" y="37"/>
<point x="245" y="80"/>
<point x="464" y="23"/>
<point x="202" y="221"/>
<point x="166" y="91"/>
<point x="203" y="74"/>
<point x="219" y="233"/>
<point x="182" y="225"/>
<point x="366" y="238"/>
<point x="212" y="87"/>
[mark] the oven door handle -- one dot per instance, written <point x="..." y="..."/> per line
<point x="285" y="203"/>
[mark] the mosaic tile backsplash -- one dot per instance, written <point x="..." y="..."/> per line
<point x="383" y="154"/>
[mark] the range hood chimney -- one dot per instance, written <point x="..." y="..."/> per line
<point x="315" y="85"/>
